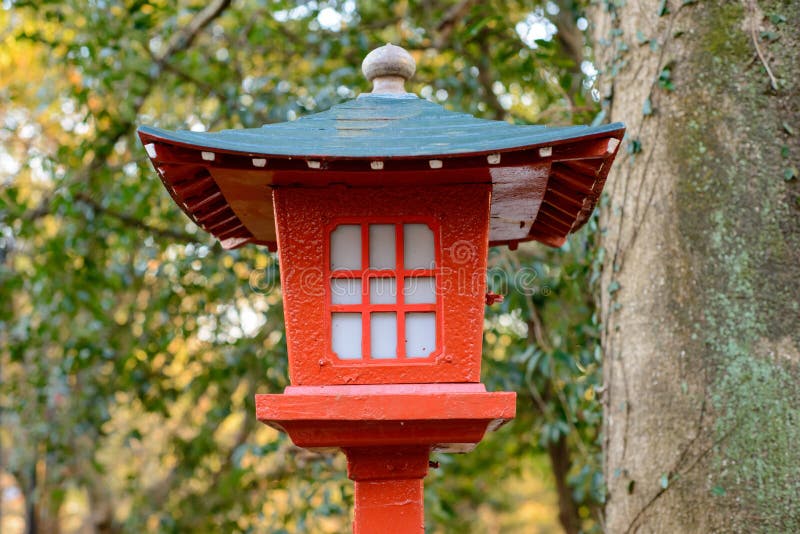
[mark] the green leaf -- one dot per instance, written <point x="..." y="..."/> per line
<point x="647" y="108"/>
<point x="664" y="481"/>
<point x="613" y="287"/>
<point x="665" y="79"/>
<point x="475" y="28"/>
<point x="777" y="18"/>
<point x="769" y="36"/>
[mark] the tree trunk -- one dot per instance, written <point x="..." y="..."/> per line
<point x="41" y="513"/>
<point x="561" y="464"/>
<point x="701" y="276"/>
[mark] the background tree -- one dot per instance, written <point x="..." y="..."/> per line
<point x="131" y="345"/>
<point x="700" y="295"/>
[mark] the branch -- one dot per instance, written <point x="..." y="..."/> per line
<point x="672" y="477"/>
<point x="561" y="464"/>
<point x="751" y="6"/>
<point x="133" y="222"/>
<point x="572" y="44"/>
<point x="487" y="80"/>
<point x="536" y="331"/>
<point x="569" y="36"/>
<point x="168" y="67"/>
<point x="449" y="21"/>
<point x="537" y="397"/>
<point x="183" y="39"/>
<point x="180" y="42"/>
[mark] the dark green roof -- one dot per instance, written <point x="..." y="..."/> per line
<point x="381" y="126"/>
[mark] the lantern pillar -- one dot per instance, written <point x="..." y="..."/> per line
<point x="387" y="433"/>
<point x="388" y="488"/>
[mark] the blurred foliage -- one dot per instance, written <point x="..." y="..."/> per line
<point x="131" y="344"/>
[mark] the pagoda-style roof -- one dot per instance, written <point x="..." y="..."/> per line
<point x="545" y="180"/>
<point x="381" y="126"/>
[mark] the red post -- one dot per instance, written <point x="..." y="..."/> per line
<point x="388" y="488"/>
<point x="387" y="432"/>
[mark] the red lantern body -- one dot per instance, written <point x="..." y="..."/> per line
<point x="458" y="216"/>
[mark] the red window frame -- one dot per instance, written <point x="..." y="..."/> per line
<point x="399" y="273"/>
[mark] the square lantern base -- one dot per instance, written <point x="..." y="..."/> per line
<point x="387" y="433"/>
<point x="444" y="417"/>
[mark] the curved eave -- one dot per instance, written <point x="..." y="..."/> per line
<point x="576" y="165"/>
<point x="395" y="141"/>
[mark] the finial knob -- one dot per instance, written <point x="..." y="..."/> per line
<point x="388" y="67"/>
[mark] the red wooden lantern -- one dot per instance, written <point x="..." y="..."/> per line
<point x="382" y="210"/>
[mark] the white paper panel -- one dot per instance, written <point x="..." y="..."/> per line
<point x="346" y="334"/>
<point x="420" y="290"/>
<point x="346" y="291"/>
<point x="420" y="334"/>
<point x="346" y="247"/>
<point x="382" y="290"/>
<point x="383" y="335"/>
<point x="382" y="246"/>
<point x="418" y="249"/>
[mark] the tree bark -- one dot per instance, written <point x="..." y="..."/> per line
<point x="700" y="286"/>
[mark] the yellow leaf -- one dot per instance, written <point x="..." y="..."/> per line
<point x="262" y="260"/>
